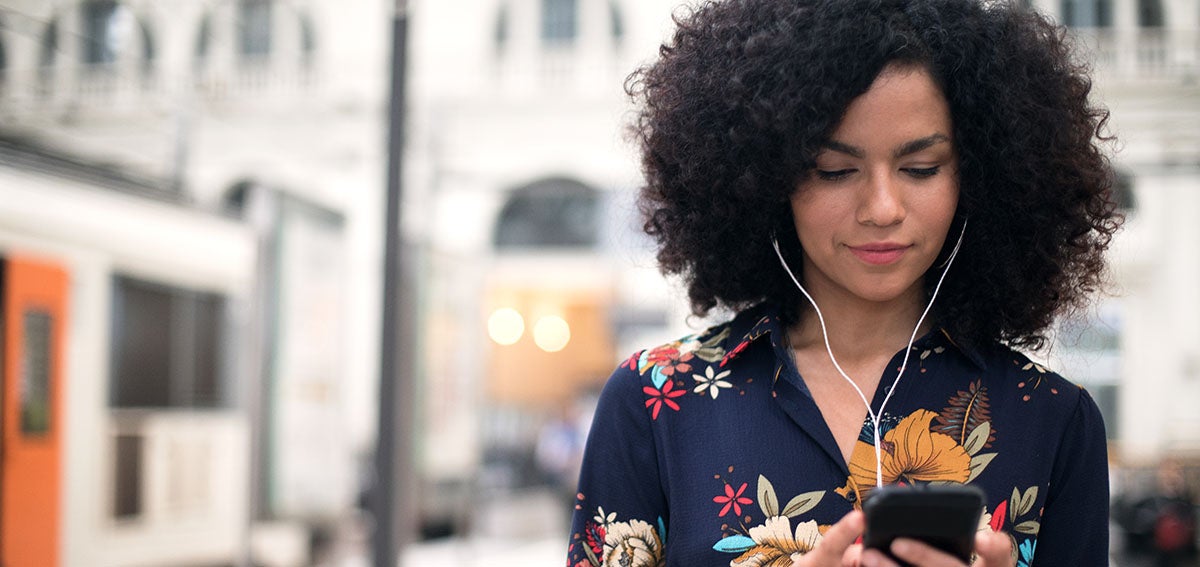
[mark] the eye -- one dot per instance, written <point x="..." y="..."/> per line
<point x="833" y="175"/>
<point x="922" y="172"/>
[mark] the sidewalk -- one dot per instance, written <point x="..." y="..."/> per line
<point x="519" y="529"/>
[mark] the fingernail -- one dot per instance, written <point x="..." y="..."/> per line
<point x="901" y="547"/>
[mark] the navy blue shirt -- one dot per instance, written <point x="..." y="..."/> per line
<point x="710" y="451"/>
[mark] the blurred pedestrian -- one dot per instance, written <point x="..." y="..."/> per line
<point x="1172" y="510"/>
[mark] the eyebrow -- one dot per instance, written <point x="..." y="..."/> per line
<point x="910" y="147"/>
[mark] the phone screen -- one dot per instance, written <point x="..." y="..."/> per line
<point x="943" y="516"/>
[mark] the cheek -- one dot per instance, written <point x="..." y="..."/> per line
<point x="942" y="204"/>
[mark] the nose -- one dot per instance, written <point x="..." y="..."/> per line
<point x="882" y="202"/>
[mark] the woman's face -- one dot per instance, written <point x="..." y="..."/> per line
<point x="874" y="213"/>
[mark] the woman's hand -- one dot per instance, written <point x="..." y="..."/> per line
<point x="837" y="547"/>
<point x="994" y="549"/>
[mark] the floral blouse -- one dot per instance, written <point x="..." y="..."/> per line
<point x="710" y="451"/>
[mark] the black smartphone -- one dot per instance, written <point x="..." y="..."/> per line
<point x="943" y="516"/>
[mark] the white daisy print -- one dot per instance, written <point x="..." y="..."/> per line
<point x="711" y="383"/>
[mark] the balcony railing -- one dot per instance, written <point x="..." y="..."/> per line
<point x="1143" y="54"/>
<point x="107" y="88"/>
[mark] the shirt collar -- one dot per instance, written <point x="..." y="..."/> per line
<point x="765" y="320"/>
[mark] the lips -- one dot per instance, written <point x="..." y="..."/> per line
<point x="880" y="253"/>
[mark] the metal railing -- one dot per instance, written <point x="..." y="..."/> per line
<point x="1143" y="53"/>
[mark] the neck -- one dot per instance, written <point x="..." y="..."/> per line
<point x="860" y="330"/>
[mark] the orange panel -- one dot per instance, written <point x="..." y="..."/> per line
<point x="34" y="325"/>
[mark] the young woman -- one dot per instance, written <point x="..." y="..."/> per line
<point x="891" y="195"/>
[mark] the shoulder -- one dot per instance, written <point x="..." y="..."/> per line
<point x="682" y="355"/>
<point x="1038" y="394"/>
<point x="705" y="353"/>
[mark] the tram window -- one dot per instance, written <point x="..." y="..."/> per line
<point x="127" y="498"/>
<point x="142" y="344"/>
<point x="35" y="373"/>
<point x="167" y="346"/>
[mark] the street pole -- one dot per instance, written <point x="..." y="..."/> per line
<point x="390" y="493"/>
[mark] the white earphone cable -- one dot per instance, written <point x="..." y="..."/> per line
<point x="907" y="351"/>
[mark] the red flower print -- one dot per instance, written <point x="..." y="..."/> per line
<point x="998" y="516"/>
<point x="661" y="355"/>
<point x="660" y="397"/>
<point x="632" y="362"/>
<point x="595" y="537"/>
<point x="732" y="499"/>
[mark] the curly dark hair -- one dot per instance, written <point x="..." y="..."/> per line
<point x="734" y="111"/>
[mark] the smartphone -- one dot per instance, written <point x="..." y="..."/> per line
<point x="943" y="516"/>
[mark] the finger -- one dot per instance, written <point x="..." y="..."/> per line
<point x="994" y="549"/>
<point x="853" y="556"/>
<point x="876" y="558"/>
<point x="838" y="539"/>
<point x="925" y="555"/>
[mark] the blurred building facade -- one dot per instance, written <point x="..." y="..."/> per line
<point x="1138" y="351"/>
<point x="208" y="175"/>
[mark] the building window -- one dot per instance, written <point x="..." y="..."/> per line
<point x="3" y="60"/>
<point x="203" y="42"/>
<point x="560" y="21"/>
<point x="1150" y="13"/>
<point x="554" y="213"/>
<point x="254" y="28"/>
<point x="167" y="347"/>
<point x="149" y="50"/>
<point x="1122" y="193"/>
<point x="500" y="33"/>
<point x="617" y="23"/>
<point x="47" y="55"/>
<point x="1087" y="13"/>
<point x="1089" y="350"/>
<point x="308" y="40"/>
<point x="107" y="26"/>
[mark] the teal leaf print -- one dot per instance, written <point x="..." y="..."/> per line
<point x="734" y="544"/>
<point x="658" y="377"/>
<point x="1027" y="548"/>
<point x="644" y="359"/>
<point x="662" y="531"/>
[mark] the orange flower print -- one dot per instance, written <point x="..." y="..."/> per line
<point x="912" y="453"/>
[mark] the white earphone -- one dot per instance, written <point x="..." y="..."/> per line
<point x="875" y="417"/>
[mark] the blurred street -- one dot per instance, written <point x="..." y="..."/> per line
<point x="526" y="528"/>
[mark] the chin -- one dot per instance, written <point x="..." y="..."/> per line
<point x="884" y="293"/>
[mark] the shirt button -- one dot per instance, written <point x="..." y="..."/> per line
<point x="851" y="497"/>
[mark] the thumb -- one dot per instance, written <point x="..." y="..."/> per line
<point x="995" y="549"/>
